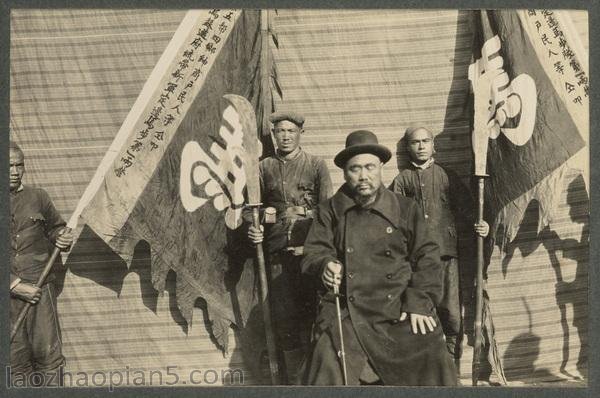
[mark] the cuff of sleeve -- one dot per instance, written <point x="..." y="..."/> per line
<point x="15" y="283"/>
<point x="417" y="301"/>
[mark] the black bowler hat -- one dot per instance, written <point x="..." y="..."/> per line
<point x="361" y="141"/>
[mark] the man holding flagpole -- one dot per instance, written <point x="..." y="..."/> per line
<point x="35" y="225"/>
<point x="293" y="182"/>
<point x="445" y="203"/>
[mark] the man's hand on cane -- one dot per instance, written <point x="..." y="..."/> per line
<point x="332" y="274"/>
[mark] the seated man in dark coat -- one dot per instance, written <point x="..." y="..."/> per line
<point x="374" y="244"/>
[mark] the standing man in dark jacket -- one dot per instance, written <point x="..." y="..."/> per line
<point x="445" y="202"/>
<point x="34" y="227"/>
<point x="293" y="182"/>
<point x="374" y="243"/>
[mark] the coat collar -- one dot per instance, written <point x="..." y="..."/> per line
<point x="385" y="204"/>
<point x="20" y="189"/>
<point x="423" y="166"/>
<point x="291" y="156"/>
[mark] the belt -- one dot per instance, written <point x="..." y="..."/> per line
<point x="293" y="212"/>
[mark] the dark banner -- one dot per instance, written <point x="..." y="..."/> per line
<point x="178" y="181"/>
<point x="531" y="129"/>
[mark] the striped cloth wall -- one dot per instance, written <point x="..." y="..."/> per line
<point x="385" y="71"/>
<point x="76" y="73"/>
<point x="364" y="69"/>
<point x="74" y="76"/>
<point x="538" y="293"/>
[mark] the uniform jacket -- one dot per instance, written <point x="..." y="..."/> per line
<point x="444" y="201"/>
<point x="301" y="181"/>
<point x="391" y="265"/>
<point x="34" y="227"/>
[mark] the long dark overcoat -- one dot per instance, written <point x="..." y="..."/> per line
<point x="391" y="264"/>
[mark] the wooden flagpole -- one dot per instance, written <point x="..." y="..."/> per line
<point x="251" y="153"/>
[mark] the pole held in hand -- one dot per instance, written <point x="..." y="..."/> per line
<point x="342" y="352"/>
<point x="39" y="283"/>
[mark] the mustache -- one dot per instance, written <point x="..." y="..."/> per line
<point x="358" y="187"/>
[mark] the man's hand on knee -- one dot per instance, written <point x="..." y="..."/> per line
<point x="27" y="292"/>
<point x="420" y="323"/>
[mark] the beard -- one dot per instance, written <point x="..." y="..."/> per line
<point x="365" y="198"/>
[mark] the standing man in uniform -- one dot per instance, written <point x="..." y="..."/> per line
<point x="375" y="245"/>
<point x="294" y="183"/>
<point x="445" y="203"/>
<point x="35" y="227"/>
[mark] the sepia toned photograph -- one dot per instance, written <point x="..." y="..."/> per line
<point x="298" y="197"/>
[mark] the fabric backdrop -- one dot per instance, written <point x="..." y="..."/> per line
<point x="384" y="72"/>
<point x="76" y="73"/>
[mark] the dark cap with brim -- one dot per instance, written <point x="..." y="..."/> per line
<point x="293" y="117"/>
<point x="358" y="142"/>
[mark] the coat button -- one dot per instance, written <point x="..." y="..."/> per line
<point x="350" y="275"/>
<point x="351" y="299"/>
<point x="389" y="276"/>
<point x="426" y="216"/>
<point x="389" y="230"/>
<point x="388" y="253"/>
<point x="395" y="321"/>
<point x="350" y="249"/>
<point x="389" y="296"/>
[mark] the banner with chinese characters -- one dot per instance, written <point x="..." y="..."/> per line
<point x="160" y="108"/>
<point x="532" y="121"/>
<point x="531" y="104"/>
<point x="567" y="68"/>
<point x="173" y="177"/>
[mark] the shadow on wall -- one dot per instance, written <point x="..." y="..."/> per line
<point x="567" y="294"/>
<point x="91" y="258"/>
<point x="522" y="352"/>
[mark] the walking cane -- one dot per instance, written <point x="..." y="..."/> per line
<point x="342" y="352"/>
